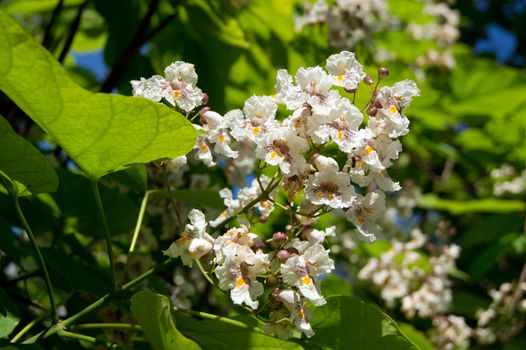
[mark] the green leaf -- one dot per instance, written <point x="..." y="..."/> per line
<point x="22" y="162"/>
<point x="484" y="205"/>
<point x="154" y="314"/>
<point x="33" y="6"/>
<point x="348" y="323"/>
<point x="217" y="335"/>
<point x="207" y="198"/>
<point x="102" y="133"/>
<point x="8" y="312"/>
<point x="416" y="337"/>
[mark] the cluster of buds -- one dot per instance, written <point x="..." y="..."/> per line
<point x="320" y="154"/>
<point x="404" y="274"/>
<point x="349" y="21"/>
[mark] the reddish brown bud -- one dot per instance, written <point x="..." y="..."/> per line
<point x="368" y="80"/>
<point x="278" y="239"/>
<point x="205" y="99"/>
<point x="383" y="72"/>
<point x="283" y="255"/>
<point x="372" y="111"/>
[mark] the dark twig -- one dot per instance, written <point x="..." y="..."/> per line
<point x="141" y="37"/>
<point x="72" y="31"/>
<point x="47" y="40"/>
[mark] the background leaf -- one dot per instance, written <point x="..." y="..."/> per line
<point x="348" y="323"/>
<point x="153" y="312"/>
<point x="22" y="162"/>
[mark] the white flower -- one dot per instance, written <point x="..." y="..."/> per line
<point x="256" y="119"/>
<point x="178" y="87"/>
<point x="194" y="242"/>
<point x="345" y="70"/>
<point x="298" y="314"/>
<point x="315" y="85"/>
<point x="366" y="211"/>
<point x="300" y="270"/>
<point x="217" y="130"/>
<point x="318" y="236"/>
<point x="239" y="266"/>
<point x="341" y="125"/>
<point x="282" y="147"/>
<point x="329" y="187"/>
<point x="176" y="164"/>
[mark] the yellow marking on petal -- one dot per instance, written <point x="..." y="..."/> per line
<point x="393" y="109"/>
<point x="307" y="281"/>
<point x="264" y="204"/>
<point x="273" y="155"/>
<point x="176" y="93"/>
<point x="320" y="194"/>
<point x="182" y="240"/>
<point x="369" y="210"/>
<point x="274" y="95"/>
<point x="222" y="138"/>
<point x="203" y="148"/>
<point x="360" y="220"/>
<point x="256" y="131"/>
<point x="368" y="150"/>
<point x="301" y="314"/>
<point x="240" y="282"/>
<point x="340" y="134"/>
<point x="340" y="77"/>
<point x="332" y="196"/>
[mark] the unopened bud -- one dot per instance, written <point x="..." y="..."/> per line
<point x="202" y="111"/>
<point x="272" y="281"/>
<point x="283" y="255"/>
<point x="292" y="251"/>
<point x="275" y="295"/>
<point x="278" y="239"/>
<point x="368" y="80"/>
<point x="263" y="219"/>
<point x="350" y="91"/>
<point x="258" y="244"/>
<point x="372" y="111"/>
<point x="383" y="72"/>
<point x="205" y="99"/>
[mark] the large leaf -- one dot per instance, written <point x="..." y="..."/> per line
<point x="154" y="314"/>
<point x="218" y="335"/>
<point x="22" y="162"/>
<point x="348" y="323"/>
<point x="102" y="133"/>
<point x="483" y="205"/>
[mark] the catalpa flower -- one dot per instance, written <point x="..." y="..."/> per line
<point x="194" y="242"/>
<point x="217" y="131"/>
<point x="299" y="271"/>
<point x="366" y="211"/>
<point x="345" y="70"/>
<point x="256" y="119"/>
<point x="329" y="187"/>
<point x="299" y="315"/>
<point x="341" y="125"/>
<point x="178" y="87"/>
<point x="282" y="147"/>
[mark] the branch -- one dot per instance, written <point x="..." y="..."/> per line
<point x="72" y="31"/>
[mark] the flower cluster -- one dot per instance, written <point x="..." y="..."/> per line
<point x="450" y="332"/>
<point x="404" y="274"/>
<point x="507" y="181"/>
<point x="349" y="21"/>
<point x="321" y="154"/>
<point x="504" y="318"/>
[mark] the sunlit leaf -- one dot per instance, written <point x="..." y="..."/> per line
<point x="102" y="133"/>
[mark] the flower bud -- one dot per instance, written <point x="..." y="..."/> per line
<point x="372" y="111"/>
<point x="272" y="281"/>
<point x="368" y="80"/>
<point x="292" y="251"/>
<point x="203" y="110"/>
<point x="322" y="162"/>
<point x="275" y="295"/>
<point x="258" y="244"/>
<point x="383" y="72"/>
<point x="350" y="91"/>
<point x="205" y="99"/>
<point x="263" y="219"/>
<point x="278" y="239"/>
<point x="283" y="255"/>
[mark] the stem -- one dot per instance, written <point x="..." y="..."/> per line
<point x="109" y="325"/>
<point x="40" y="259"/>
<point x="172" y="197"/>
<point x="243" y="210"/>
<point x="136" y="233"/>
<point x="83" y="337"/>
<point x="27" y="328"/>
<point x="204" y="273"/>
<point x="95" y="188"/>
<point x="47" y="36"/>
<point x="72" y="31"/>
<point x="220" y="319"/>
